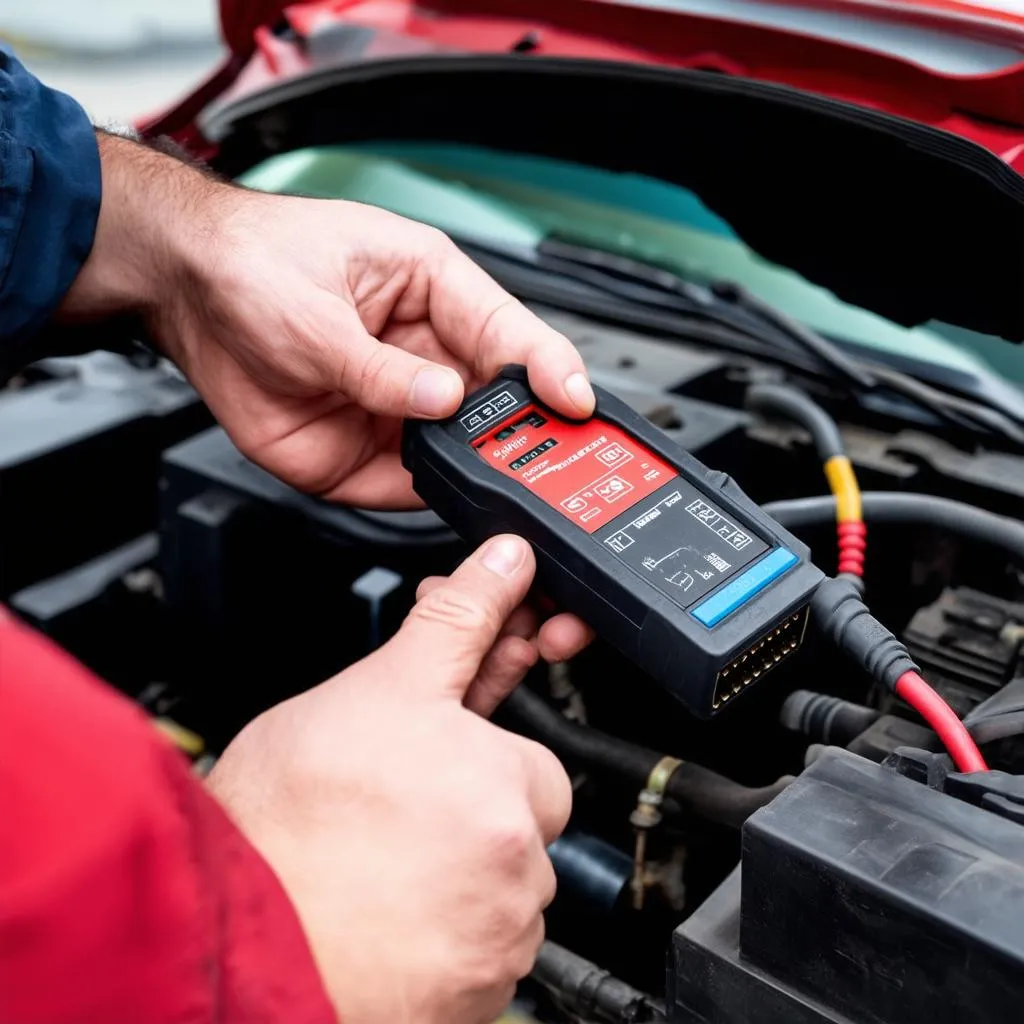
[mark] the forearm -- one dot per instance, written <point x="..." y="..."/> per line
<point x="155" y="230"/>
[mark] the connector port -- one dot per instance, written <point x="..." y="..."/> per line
<point x="760" y="658"/>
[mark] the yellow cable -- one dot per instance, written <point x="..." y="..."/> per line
<point x="843" y="482"/>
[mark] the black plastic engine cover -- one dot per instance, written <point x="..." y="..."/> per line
<point x="865" y="898"/>
<point x="80" y="460"/>
<point x="269" y="591"/>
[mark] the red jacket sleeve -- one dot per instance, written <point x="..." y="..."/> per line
<point x="126" y="894"/>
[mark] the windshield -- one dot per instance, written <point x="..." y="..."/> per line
<point x="515" y="200"/>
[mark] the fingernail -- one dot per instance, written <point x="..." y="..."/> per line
<point x="435" y="392"/>
<point x="505" y="555"/>
<point x="578" y="388"/>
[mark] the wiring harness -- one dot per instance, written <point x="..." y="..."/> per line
<point x="851" y="530"/>
<point x="842" y="616"/>
<point x="837" y="607"/>
<point x="975" y="524"/>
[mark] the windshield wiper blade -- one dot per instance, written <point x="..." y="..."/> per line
<point x="522" y="271"/>
<point x="723" y="302"/>
<point x="767" y="323"/>
<point x="647" y="285"/>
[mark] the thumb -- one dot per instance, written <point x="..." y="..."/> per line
<point x="384" y="379"/>
<point x="451" y="628"/>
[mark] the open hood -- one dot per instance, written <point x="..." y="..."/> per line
<point x="886" y="171"/>
<point x="955" y="65"/>
<point x="239" y="20"/>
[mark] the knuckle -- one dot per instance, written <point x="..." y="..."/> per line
<point x="510" y="839"/>
<point x="426" y="585"/>
<point x="455" y="609"/>
<point x="372" y="375"/>
<point x="487" y="353"/>
<point x="543" y="760"/>
<point x="547" y="765"/>
<point x="437" y="240"/>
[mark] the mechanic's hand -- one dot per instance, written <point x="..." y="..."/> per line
<point x="409" y="831"/>
<point x="311" y="327"/>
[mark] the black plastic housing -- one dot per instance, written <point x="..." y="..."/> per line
<point x="80" y="460"/>
<point x="863" y="898"/>
<point x="262" y="583"/>
<point x="583" y="576"/>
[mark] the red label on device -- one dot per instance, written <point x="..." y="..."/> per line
<point x="591" y="472"/>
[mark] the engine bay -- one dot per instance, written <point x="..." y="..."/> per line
<point x="809" y="854"/>
<point x="877" y="883"/>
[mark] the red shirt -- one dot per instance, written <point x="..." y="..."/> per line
<point x="127" y="896"/>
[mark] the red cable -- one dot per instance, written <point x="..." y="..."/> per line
<point x="942" y="718"/>
<point x="852" y="545"/>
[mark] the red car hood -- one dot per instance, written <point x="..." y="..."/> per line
<point x="908" y="222"/>
<point x="984" y="104"/>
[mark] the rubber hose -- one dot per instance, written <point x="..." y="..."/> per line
<point x="590" y="991"/>
<point x="706" y="793"/>
<point x="823" y="718"/>
<point x="796" y="406"/>
<point x="967" y="521"/>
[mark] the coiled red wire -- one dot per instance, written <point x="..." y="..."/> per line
<point x="853" y="542"/>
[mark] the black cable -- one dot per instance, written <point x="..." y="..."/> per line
<point x="693" y="787"/>
<point x="694" y="322"/>
<point x="590" y="992"/>
<point x="869" y="376"/>
<point x="823" y="718"/>
<point x="958" y="411"/>
<point x="787" y="401"/>
<point x="957" y="517"/>
<point x="823" y="349"/>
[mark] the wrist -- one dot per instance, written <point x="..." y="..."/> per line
<point x="154" y="214"/>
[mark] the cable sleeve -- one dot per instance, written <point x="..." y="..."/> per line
<point x="852" y="543"/>
<point x="841" y="615"/>
<point x="843" y="484"/>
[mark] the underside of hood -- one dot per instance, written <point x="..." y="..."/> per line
<point x="899" y="218"/>
<point x="239" y="19"/>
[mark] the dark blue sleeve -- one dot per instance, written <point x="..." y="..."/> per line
<point x="49" y="204"/>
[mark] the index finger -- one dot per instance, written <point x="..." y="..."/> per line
<point x="477" y="320"/>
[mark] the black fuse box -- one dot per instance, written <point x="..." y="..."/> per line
<point x="862" y="898"/>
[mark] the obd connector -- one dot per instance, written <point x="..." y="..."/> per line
<point x="669" y="561"/>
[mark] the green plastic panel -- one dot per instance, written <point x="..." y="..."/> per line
<point x="517" y="199"/>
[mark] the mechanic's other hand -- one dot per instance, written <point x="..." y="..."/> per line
<point x="409" y="831"/>
<point x="311" y="327"/>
